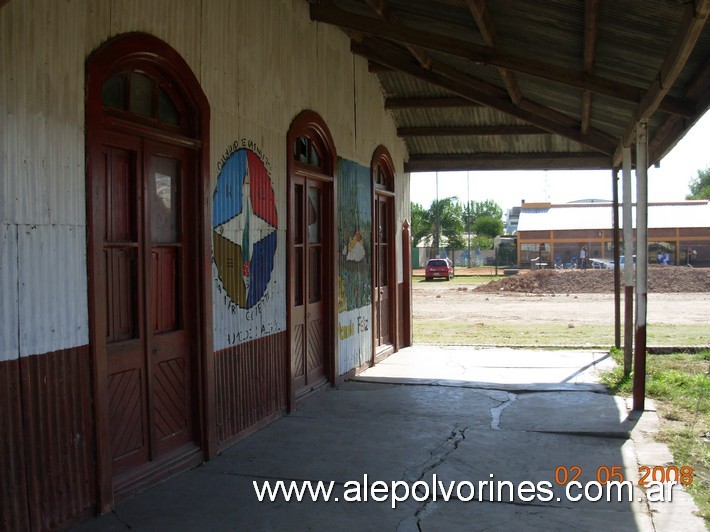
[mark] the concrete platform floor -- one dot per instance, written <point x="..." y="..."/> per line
<point x="429" y="416"/>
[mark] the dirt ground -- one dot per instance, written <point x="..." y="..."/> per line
<point x="676" y="295"/>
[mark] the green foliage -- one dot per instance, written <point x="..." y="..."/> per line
<point x="680" y="384"/>
<point x="449" y="219"/>
<point x="489" y="226"/>
<point x="474" y="210"/>
<point x="420" y="224"/>
<point x="482" y="242"/>
<point x="442" y="218"/>
<point x="700" y="185"/>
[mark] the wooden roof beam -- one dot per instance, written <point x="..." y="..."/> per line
<point x="470" y="131"/>
<point x="488" y="95"/>
<point x="507" y="161"/>
<point x="490" y="37"/>
<point x="591" y="32"/>
<point x="385" y="12"/>
<point x="428" y="103"/>
<point x="675" y="126"/>
<point x="691" y="27"/>
<point x="487" y="56"/>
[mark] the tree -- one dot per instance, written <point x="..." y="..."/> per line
<point x="700" y="185"/>
<point x="489" y="226"/>
<point x="420" y="224"/>
<point x="442" y="218"/>
<point x="480" y="209"/>
<point x="474" y="210"/>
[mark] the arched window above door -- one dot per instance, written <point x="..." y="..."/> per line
<point x="312" y="146"/>
<point x="382" y="170"/>
<point x="147" y="98"/>
<point x="138" y="82"/>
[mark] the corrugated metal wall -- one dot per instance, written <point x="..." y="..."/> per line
<point x="58" y="442"/>
<point x="251" y="386"/>
<point x="355" y="265"/>
<point x="14" y="511"/>
<point x="47" y="475"/>
<point x="260" y="63"/>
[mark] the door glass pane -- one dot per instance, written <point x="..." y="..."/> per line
<point x="167" y="112"/>
<point x="164" y="289"/>
<point x="163" y="196"/>
<point x="298" y="279"/>
<point x="314" y="274"/>
<point x="121" y="291"/>
<point x="141" y="95"/>
<point x="113" y="93"/>
<point x="120" y="197"/>
<point x="298" y="214"/>
<point x="314" y="215"/>
<point x="382" y="258"/>
<point x="383" y="232"/>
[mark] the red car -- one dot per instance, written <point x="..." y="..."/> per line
<point x="439" y="268"/>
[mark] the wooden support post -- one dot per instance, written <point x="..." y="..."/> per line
<point x="639" y="388"/>
<point x="629" y="259"/>
<point x="617" y="271"/>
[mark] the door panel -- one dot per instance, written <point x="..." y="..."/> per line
<point x="383" y="272"/>
<point x="146" y="287"/>
<point x="168" y="340"/>
<point x="310" y="282"/>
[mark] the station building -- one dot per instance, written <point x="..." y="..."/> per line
<point x="555" y="233"/>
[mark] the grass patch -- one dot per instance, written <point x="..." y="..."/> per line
<point x="460" y="279"/>
<point x="453" y="332"/>
<point x="680" y="386"/>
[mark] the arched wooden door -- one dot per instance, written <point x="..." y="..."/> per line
<point x="145" y="187"/>
<point x="384" y="283"/>
<point x="311" y="234"/>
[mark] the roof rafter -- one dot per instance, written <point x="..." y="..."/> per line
<point x="507" y="161"/>
<point x="428" y="103"/>
<point x="468" y="131"/>
<point x="388" y="15"/>
<point x="691" y="27"/>
<point x="671" y="130"/>
<point x="486" y="55"/>
<point x="591" y="32"/>
<point x="489" y="95"/>
<point x="490" y="37"/>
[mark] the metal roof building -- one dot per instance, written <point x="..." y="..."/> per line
<point x="571" y="216"/>
<point x="557" y="232"/>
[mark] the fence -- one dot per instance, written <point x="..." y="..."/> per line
<point x="462" y="258"/>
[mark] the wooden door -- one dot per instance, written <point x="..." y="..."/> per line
<point x="145" y="282"/>
<point x="383" y="273"/>
<point x="309" y="306"/>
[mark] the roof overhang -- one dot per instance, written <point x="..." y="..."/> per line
<point x="476" y="85"/>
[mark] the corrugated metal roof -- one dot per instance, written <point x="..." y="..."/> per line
<point x="536" y="63"/>
<point x="579" y="216"/>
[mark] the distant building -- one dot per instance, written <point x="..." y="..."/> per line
<point x="511" y="222"/>
<point x="555" y="233"/>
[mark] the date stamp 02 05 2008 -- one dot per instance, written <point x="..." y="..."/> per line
<point x="604" y="474"/>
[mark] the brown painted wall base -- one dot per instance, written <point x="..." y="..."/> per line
<point x="46" y="440"/>
<point x="251" y="387"/>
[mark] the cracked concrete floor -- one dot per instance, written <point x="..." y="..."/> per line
<point x="402" y="421"/>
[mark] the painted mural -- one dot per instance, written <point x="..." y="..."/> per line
<point x="355" y="264"/>
<point x="248" y="293"/>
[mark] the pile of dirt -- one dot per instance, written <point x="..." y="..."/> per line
<point x="678" y="279"/>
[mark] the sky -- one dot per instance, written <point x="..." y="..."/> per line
<point x="670" y="182"/>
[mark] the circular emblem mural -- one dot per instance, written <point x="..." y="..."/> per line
<point x="244" y="224"/>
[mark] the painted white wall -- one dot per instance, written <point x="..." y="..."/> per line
<point x="260" y="63"/>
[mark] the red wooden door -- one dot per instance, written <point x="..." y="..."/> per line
<point x="146" y="279"/>
<point x="309" y="309"/>
<point x="383" y="279"/>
